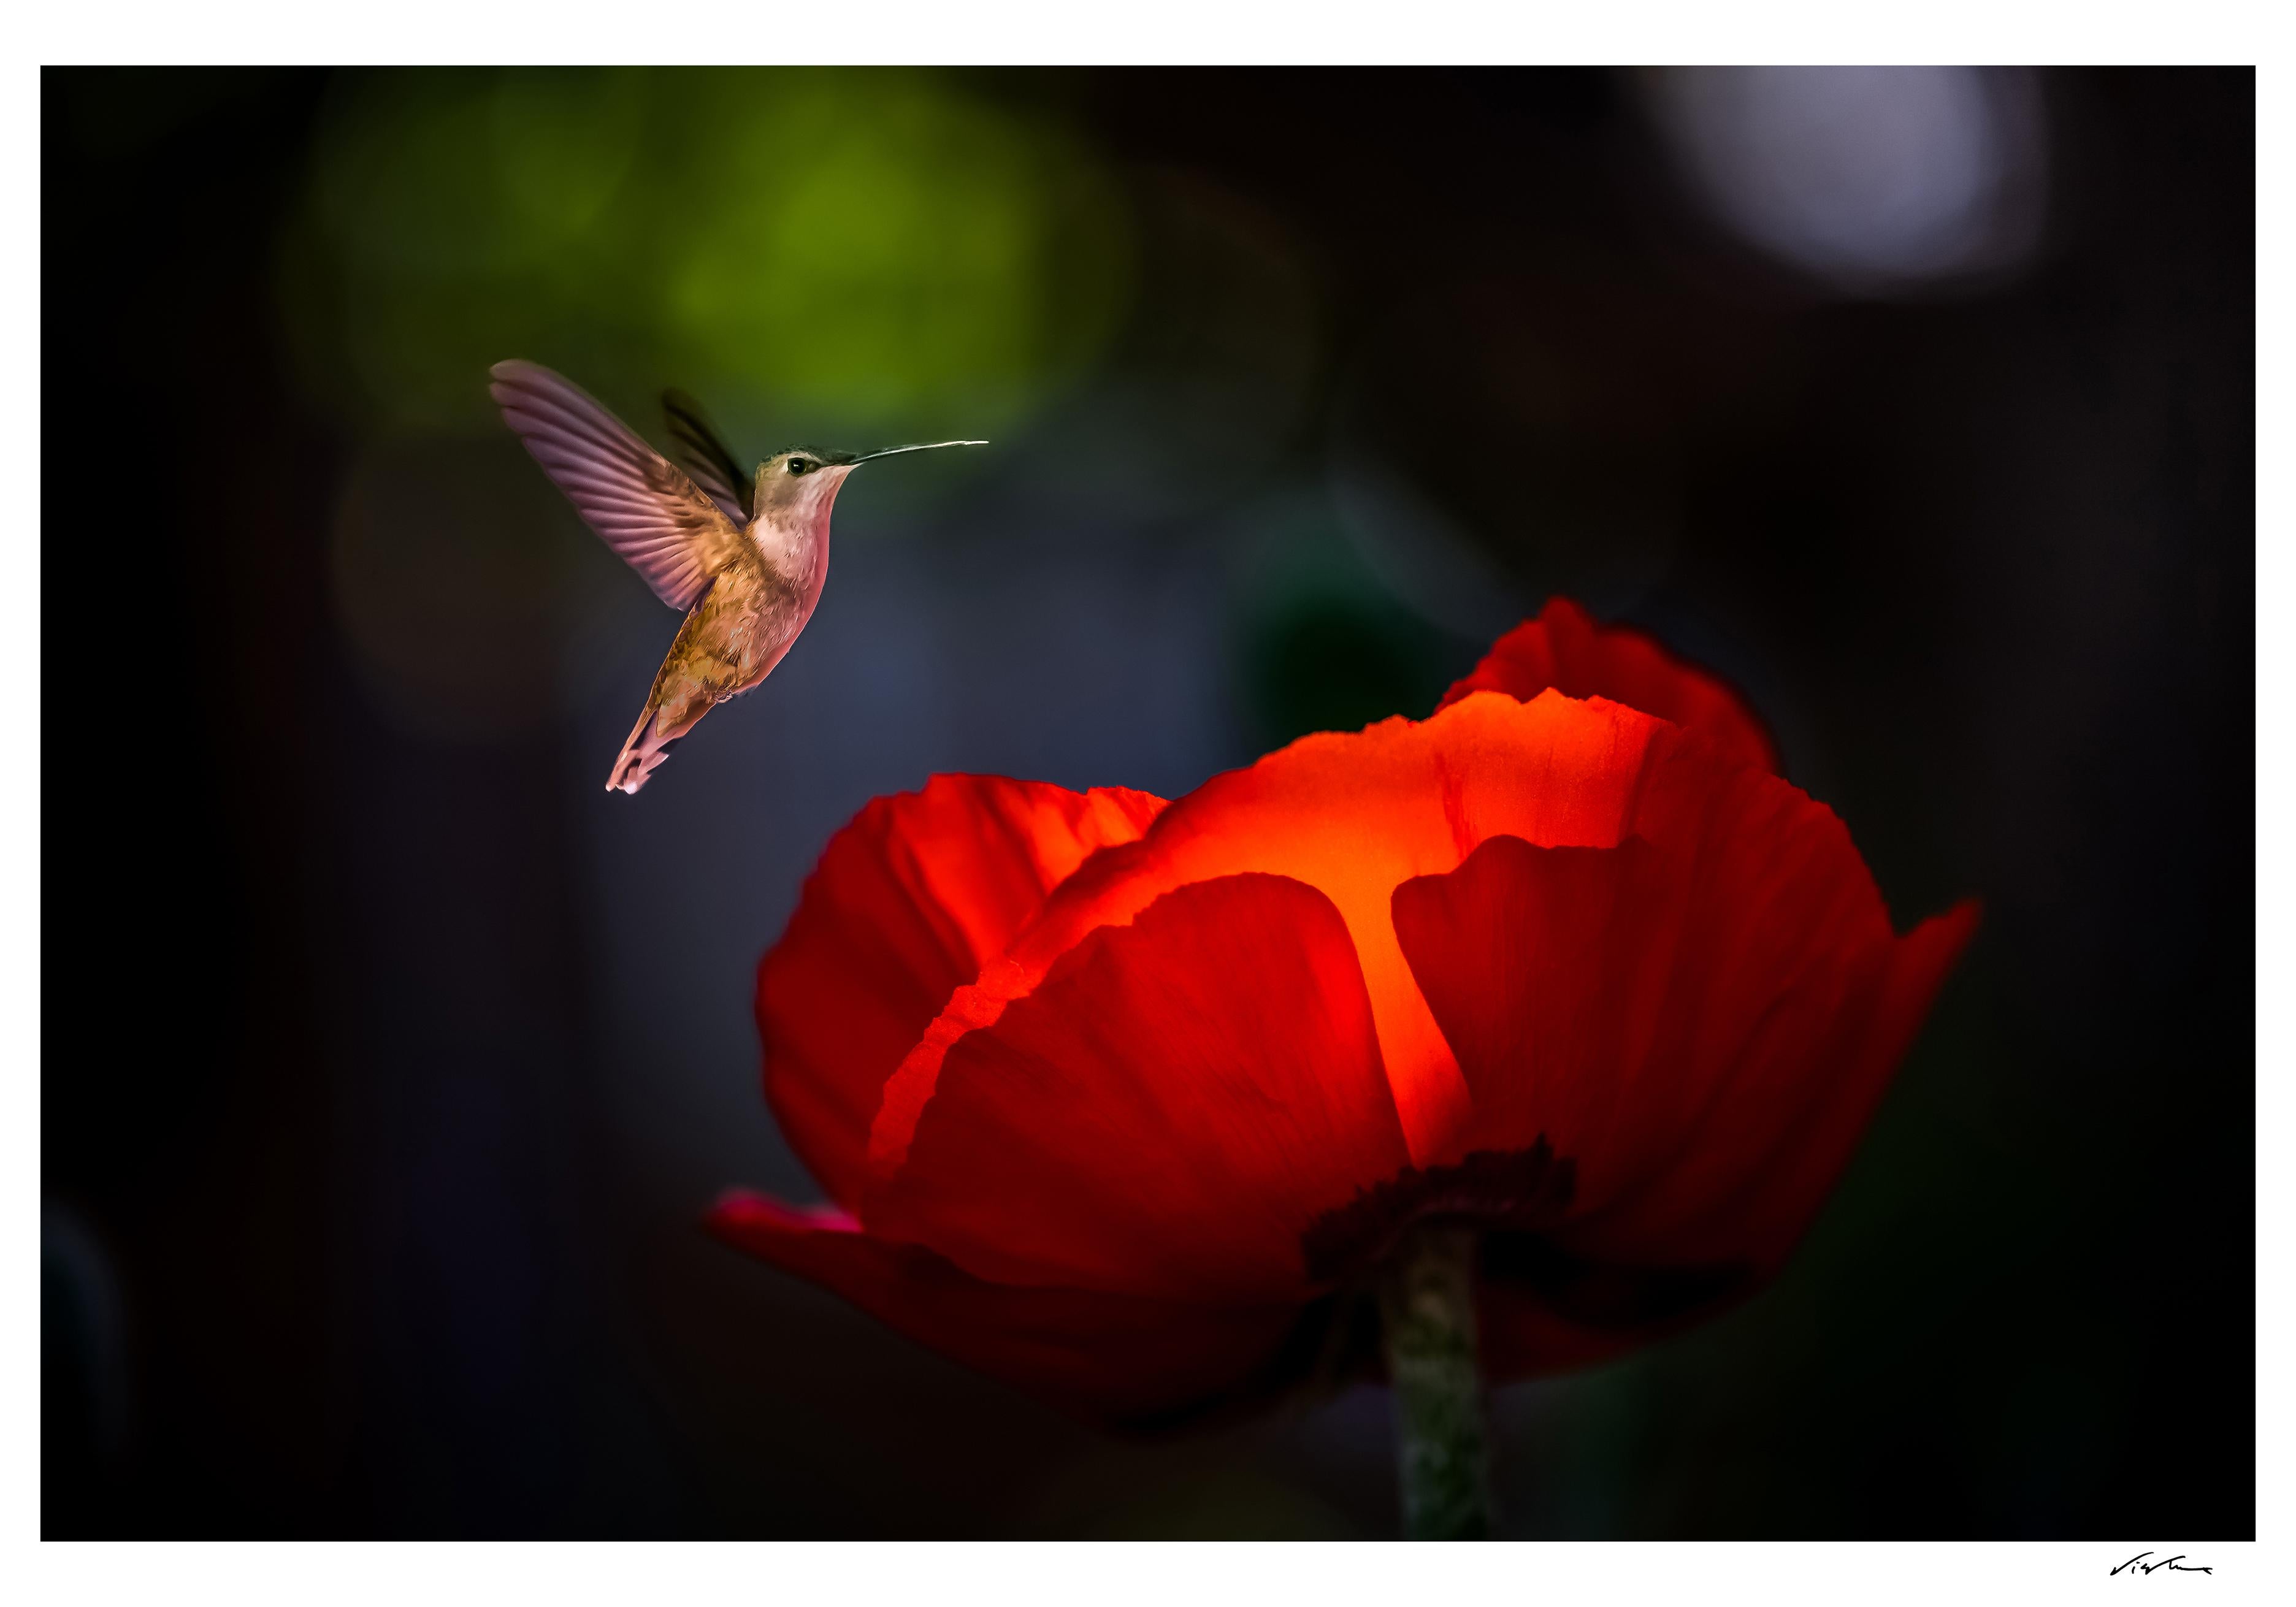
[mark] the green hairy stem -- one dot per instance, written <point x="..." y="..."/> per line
<point x="1427" y="1321"/>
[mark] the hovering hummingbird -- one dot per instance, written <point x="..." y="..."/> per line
<point x="744" y="558"/>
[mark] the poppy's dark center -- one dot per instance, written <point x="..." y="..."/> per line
<point x="1515" y="1201"/>
<point x="1519" y="1191"/>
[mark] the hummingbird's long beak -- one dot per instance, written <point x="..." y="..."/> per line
<point x="927" y="446"/>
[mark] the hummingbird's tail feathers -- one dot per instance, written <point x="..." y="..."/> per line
<point x="673" y="709"/>
<point x="639" y="755"/>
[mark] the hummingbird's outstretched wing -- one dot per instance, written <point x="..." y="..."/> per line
<point x="714" y="469"/>
<point x="640" y="502"/>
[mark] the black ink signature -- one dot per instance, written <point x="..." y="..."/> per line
<point x="2176" y="1564"/>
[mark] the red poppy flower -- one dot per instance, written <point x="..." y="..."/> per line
<point x="1124" y="1102"/>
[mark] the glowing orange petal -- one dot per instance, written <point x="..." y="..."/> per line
<point x="1352" y="815"/>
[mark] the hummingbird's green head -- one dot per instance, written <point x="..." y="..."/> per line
<point x="802" y="481"/>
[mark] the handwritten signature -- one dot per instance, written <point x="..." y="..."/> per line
<point x="2176" y="1564"/>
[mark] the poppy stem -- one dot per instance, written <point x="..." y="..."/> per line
<point x="1427" y="1323"/>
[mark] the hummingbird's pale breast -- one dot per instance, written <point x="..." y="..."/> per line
<point x="791" y="531"/>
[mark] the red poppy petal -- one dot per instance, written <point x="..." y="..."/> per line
<point x="1607" y="1000"/>
<point x="1351" y="814"/>
<point x="1167" y="1112"/>
<point x="1110" y="1356"/>
<point x="1759" y="1208"/>
<point x="1563" y="648"/>
<point x="910" y="899"/>
<point x="1545" y="969"/>
<point x="1692" y="1022"/>
<point x="1748" y="1205"/>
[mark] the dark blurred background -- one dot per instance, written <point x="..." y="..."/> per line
<point x="389" y="1061"/>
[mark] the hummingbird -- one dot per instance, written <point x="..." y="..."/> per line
<point x="742" y="556"/>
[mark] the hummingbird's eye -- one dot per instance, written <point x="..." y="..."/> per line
<point x="799" y="465"/>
